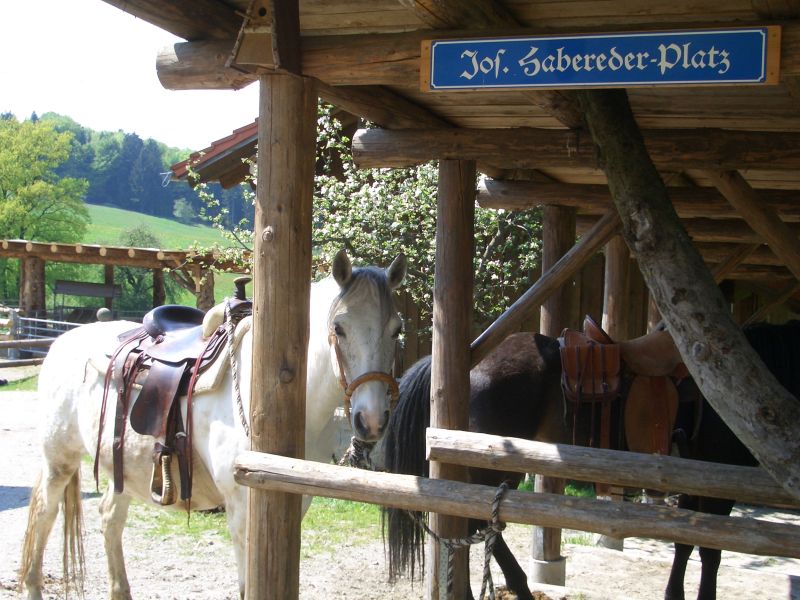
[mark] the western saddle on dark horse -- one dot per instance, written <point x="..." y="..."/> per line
<point x="640" y="373"/>
<point x="163" y="359"/>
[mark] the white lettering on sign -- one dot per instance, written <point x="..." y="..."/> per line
<point x="683" y="55"/>
<point x="669" y="56"/>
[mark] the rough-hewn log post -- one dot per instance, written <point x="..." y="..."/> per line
<point x="205" y="292"/>
<point x="108" y="279"/>
<point x="558" y="237"/>
<point x="159" y="293"/>
<point x="281" y="287"/>
<point x="31" y="287"/>
<point x="615" y="323"/>
<point x="730" y="374"/>
<point x="452" y="318"/>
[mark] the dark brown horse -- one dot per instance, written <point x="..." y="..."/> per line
<point x="516" y="391"/>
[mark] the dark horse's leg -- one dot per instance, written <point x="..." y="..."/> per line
<point x="516" y="579"/>
<point x="711" y="557"/>
<point x="681" y="559"/>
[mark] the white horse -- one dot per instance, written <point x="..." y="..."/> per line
<point x="353" y="328"/>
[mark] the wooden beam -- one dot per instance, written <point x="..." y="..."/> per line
<point x="781" y="239"/>
<point x="188" y="19"/>
<point x="281" y="291"/>
<point x="381" y="106"/>
<point x="267" y="471"/>
<point x="760" y="412"/>
<point x="540" y="148"/>
<point x="394" y="59"/>
<point x="788" y="292"/>
<point x="569" y="264"/>
<point x="752" y="485"/>
<point x="689" y="202"/>
<point x="728" y="266"/>
<point x="730" y="231"/>
<point x="450" y="365"/>
<point x="454" y="14"/>
<point x="200" y="65"/>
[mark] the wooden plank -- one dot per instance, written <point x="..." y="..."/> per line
<point x="781" y="239"/>
<point x="283" y="474"/>
<point x="281" y="289"/>
<point x="450" y="365"/>
<point x="539" y="148"/>
<point x="393" y="59"/>
<point x="511" y="320"/>
<point x="652" y="471"/>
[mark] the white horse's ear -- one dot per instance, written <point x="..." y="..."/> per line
<point x="396" y="272"/>
<point x="342" y="268"/>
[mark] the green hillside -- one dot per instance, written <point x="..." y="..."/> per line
<point x="108" y="223"/>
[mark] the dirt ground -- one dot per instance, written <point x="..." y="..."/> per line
<point x="205" y="569"/>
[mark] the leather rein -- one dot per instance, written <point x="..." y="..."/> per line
<point x="350" y="388"/>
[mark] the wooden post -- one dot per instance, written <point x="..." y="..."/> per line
<point x="31" y="287"/>
<point x="281" y="288"/>
<point x="557" y="312"/>
<point x="615" y="323"/>
<point x="159" y="293"/>
<point x="205" y="295"/>
<point x="108" y="279"/>
<point x="452" y="317"/>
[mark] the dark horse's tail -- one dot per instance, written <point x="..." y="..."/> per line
<point x="404" y="453"/>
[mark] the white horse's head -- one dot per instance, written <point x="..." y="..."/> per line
<point x="364" y="327"/>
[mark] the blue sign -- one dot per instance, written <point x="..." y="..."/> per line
<point x="692" y="57"/>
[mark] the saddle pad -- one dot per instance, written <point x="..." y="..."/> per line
<point x="212" y="377"/>
<point x="650" y="412"/>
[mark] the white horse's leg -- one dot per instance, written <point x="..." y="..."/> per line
<point x="113" y="514"/>
<point x="236" y="514"/>
<point x="46" y="496"/>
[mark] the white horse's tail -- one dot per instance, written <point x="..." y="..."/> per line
<point x="73" y="562"/>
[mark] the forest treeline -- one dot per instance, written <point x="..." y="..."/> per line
<point x="125" y="171"/>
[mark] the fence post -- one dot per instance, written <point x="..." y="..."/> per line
<point x="13" y="327"/>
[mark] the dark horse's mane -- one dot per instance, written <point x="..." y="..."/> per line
<point x="405" y="454"/>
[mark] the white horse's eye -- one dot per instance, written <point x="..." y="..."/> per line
<point x="339" y="330"/>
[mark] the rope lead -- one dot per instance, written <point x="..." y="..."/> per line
<point x="488" y="535"/>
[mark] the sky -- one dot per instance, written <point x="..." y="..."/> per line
<point x="97" y="64"/>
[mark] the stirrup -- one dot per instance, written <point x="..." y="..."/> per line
<point x="162" y="491"/>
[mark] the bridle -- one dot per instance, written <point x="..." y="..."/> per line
<point x="350" y="388"/>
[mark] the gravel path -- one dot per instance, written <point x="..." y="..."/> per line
<point x="204" y="569"/>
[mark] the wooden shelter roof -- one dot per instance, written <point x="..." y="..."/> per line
<point x="365" y="55"/>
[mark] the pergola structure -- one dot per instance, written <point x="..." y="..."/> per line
<point x="191" y="269"/>
<point x="599" y="161"/>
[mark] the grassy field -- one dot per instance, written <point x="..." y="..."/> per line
<point x="109" y="223"/>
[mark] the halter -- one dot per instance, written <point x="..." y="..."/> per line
<point x="350" y="388"/>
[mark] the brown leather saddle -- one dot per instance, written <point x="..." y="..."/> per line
<point x="163" y="358"/>
<point x="641" y="372"/>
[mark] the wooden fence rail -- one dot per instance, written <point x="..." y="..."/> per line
<point x="615" y="519"/>
<point x="629" y="469"/>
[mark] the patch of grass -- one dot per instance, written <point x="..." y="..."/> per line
<point x="328" y="526"/>
<point x="331" y="524"/>
<point x="159" y="523"/>
<point x="577" y="538"/>
<point x="579" y="489"/>
<point x="29" y="384"/>
<point x="108" y="223"/>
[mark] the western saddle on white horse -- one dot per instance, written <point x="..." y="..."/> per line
<point x="164" y="358"/>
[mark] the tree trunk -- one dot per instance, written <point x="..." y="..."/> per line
<point x="731" y="376"/>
